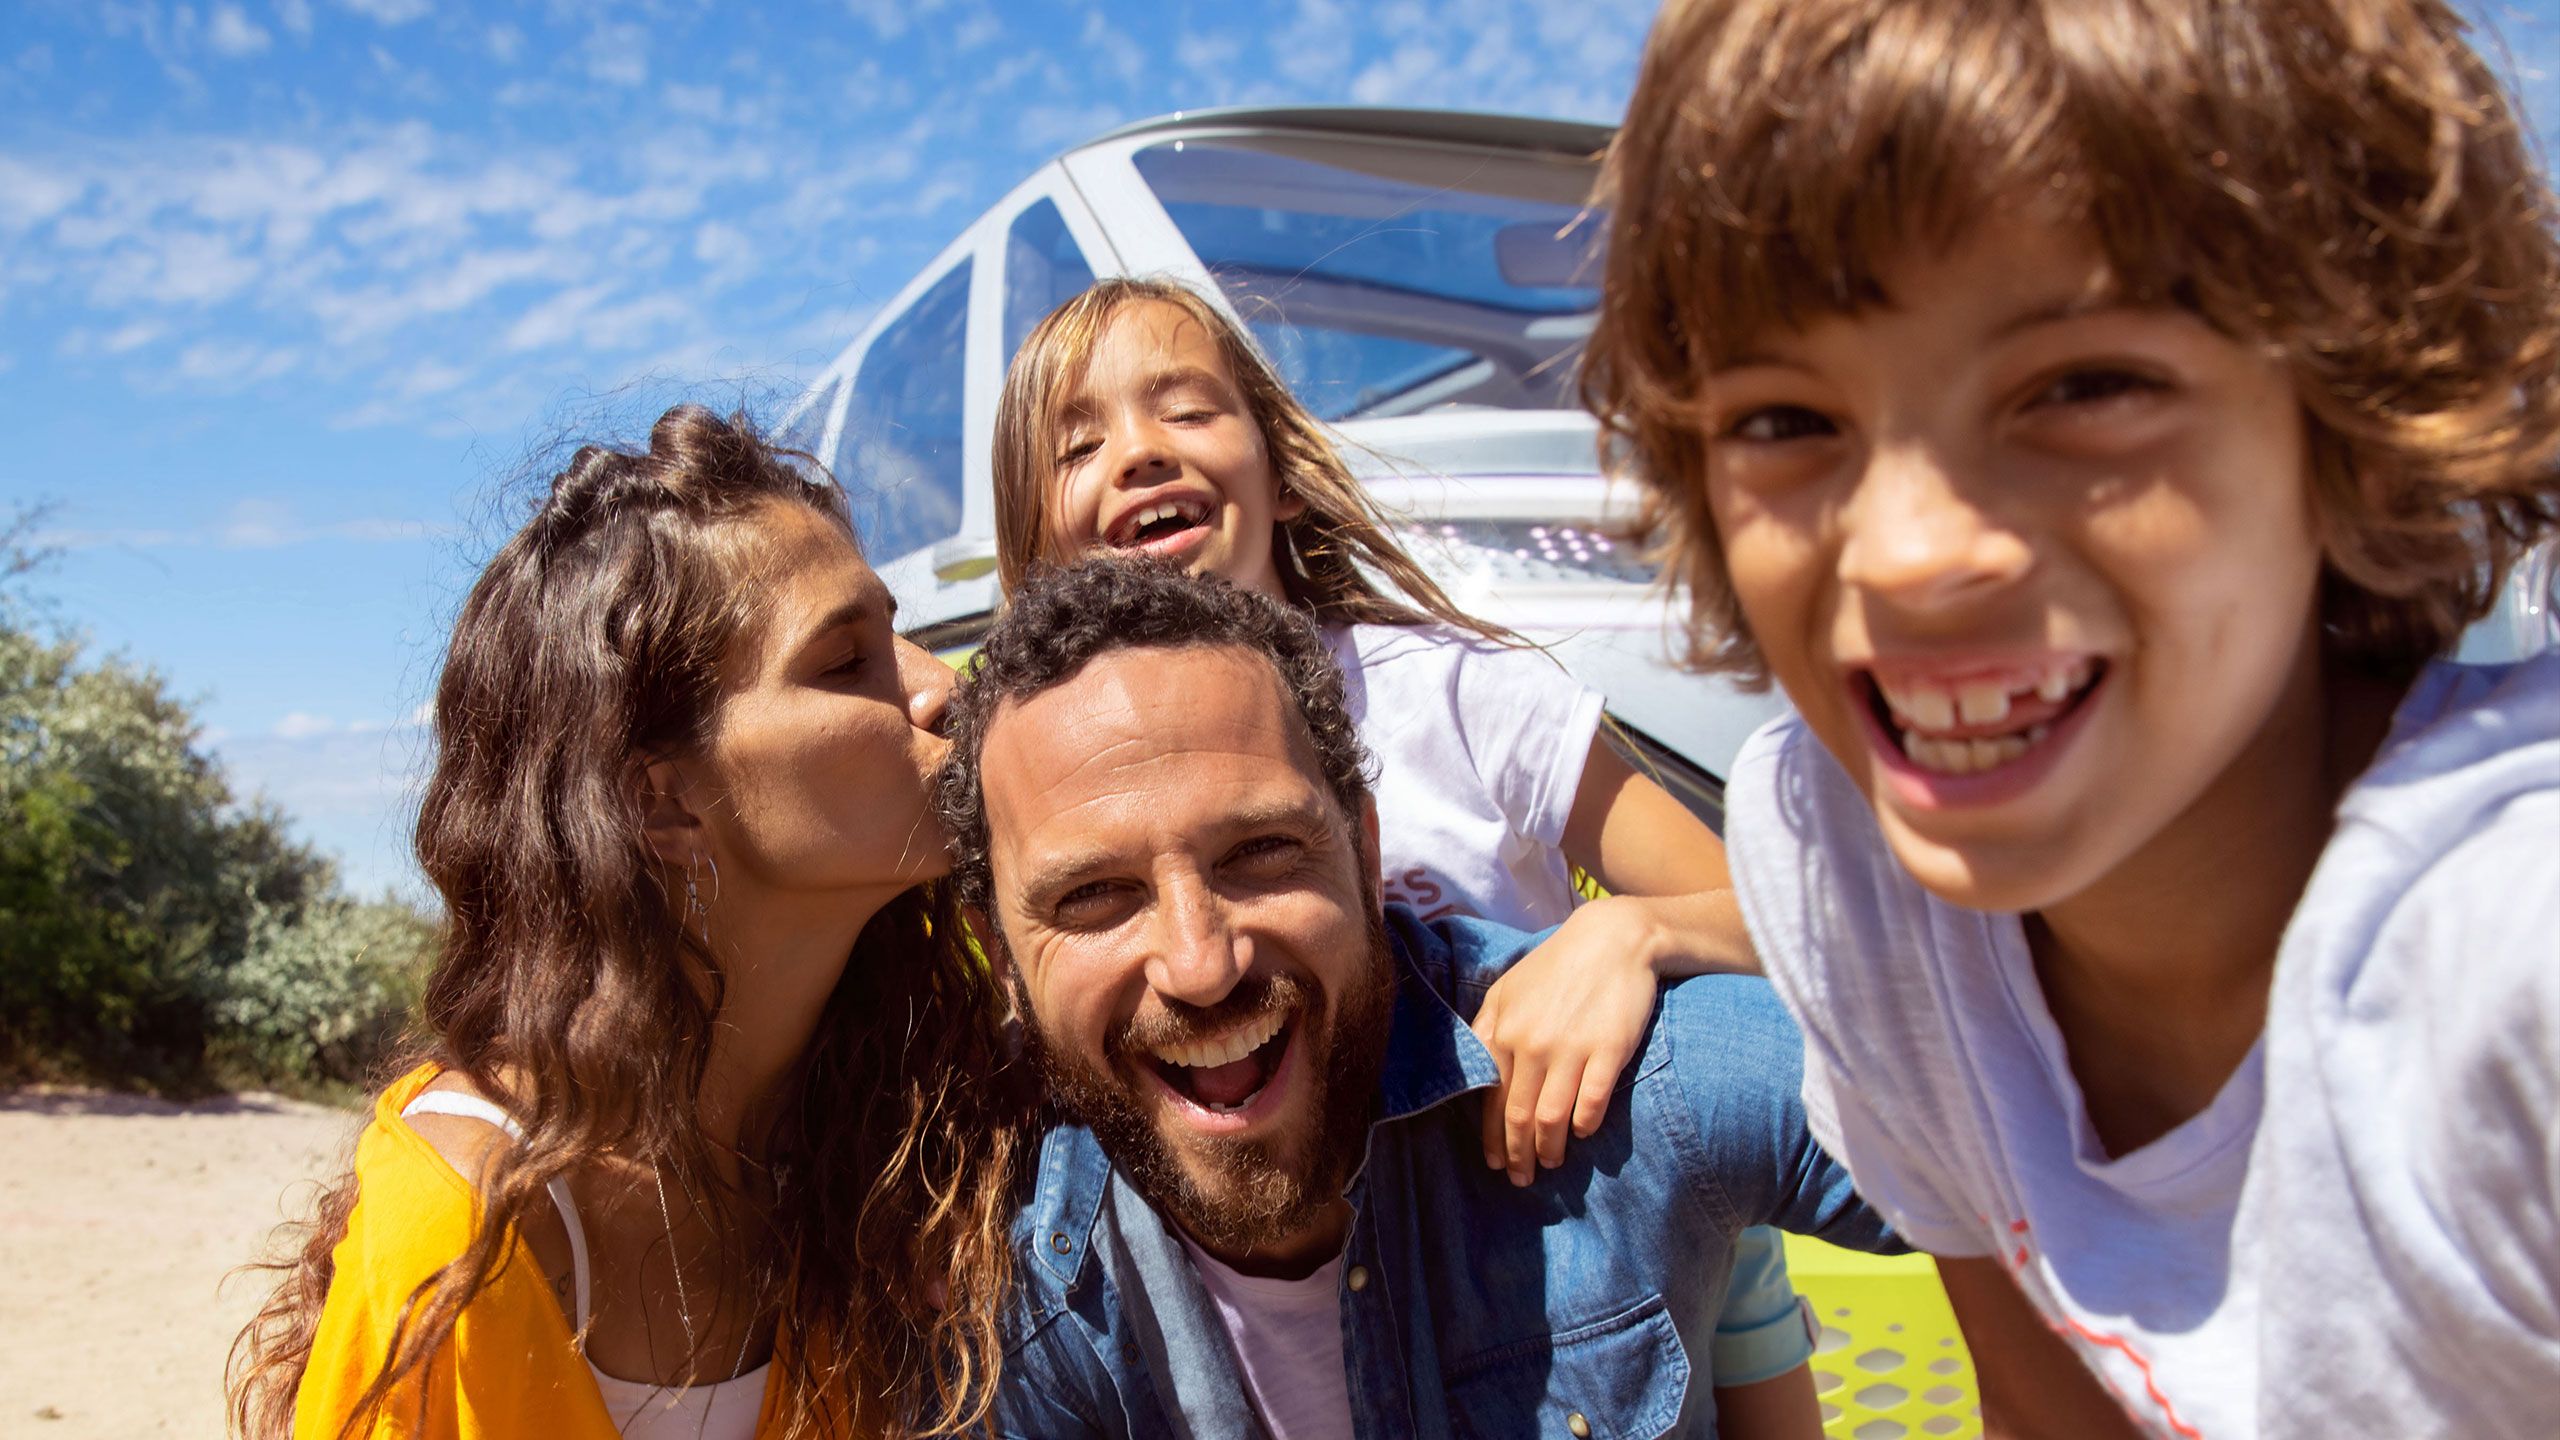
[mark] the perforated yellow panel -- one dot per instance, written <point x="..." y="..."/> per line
<point x="1889" y="1363"/>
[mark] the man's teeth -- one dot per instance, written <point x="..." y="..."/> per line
<point x="1924" y="705"/>
<point x="1224" y="1049"/>
<point x="1964" y="757"/>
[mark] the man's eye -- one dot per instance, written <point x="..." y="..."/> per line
<point x="1086" y="902"/>
<point x="1265" y="854"/>
<point x="1772" y="424"/>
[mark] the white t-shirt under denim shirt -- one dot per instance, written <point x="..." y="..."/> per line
<point x="2357" y="1236"/>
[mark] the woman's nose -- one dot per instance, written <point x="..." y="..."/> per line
<point x="927" y="682"/>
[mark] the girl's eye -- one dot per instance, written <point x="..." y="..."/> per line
<point x="2093" y="386"/>
<point x="1773" y="424"/>
<point x="1077" y="449"/>
<point x="1193" y="415"/>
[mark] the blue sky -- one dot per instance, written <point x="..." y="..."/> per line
<point x="289" y="288"/>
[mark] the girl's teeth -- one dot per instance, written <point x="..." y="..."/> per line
<point x="2057" y="684"/>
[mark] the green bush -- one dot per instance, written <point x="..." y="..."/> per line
<point x="326" y="991"/>
<point x="154" y="931"/>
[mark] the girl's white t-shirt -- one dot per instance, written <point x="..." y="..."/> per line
<point x="1480" y="749"/>
<point x="2359" y="1230"/>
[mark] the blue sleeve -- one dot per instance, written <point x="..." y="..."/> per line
<point x="1740" y="1064"/>
<point x="1761" y="1333"/>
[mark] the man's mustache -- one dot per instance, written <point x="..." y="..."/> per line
<point x="1177" y="1023"/>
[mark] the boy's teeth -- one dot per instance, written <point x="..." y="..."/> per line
<point x="1982" y="702"/>
<point x="1966" y="757"/>
<point x="1927" y="709"/>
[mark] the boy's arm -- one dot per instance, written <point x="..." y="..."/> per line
<point x="2033" y="1386"/>
<point x="1564" y="1022"/>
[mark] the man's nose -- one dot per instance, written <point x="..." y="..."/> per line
<point x="1915" y="538"/>
<point x="927" y="683"/>
<point x="1197" y="956"/>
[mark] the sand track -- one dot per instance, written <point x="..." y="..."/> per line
<point x="119" y="1217"/>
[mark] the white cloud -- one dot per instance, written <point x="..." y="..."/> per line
<point x="389" y="12"/>
<point x="231" y="32"/>
<point x="302" y="725"/>
<point x="231" y="364"/>
<point x="505" y="42"/>
<point x="618" y="54"/>
<point x="295" y="15"/>
<point x="251" y="525"/>
<point x="979" y="29"/>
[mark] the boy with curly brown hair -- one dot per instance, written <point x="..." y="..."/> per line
<point x="2103" y="417"/>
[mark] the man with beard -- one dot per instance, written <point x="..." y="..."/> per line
<point x="1263" y="1209"/>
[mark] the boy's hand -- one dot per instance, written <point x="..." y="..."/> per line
<point x="1561" y="1025"/>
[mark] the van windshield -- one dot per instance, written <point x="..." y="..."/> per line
<point x="1394" y="278"/>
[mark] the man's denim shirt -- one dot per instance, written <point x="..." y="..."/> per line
<point x="1469" y="1306"/>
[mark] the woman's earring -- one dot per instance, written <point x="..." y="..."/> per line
<point x="698" y="915"/>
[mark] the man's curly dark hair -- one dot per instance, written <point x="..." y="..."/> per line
<point x="1064" y="617"/>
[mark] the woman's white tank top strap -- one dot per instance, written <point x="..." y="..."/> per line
<point x="641" y="1410"/>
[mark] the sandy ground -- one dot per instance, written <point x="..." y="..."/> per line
<point x="119" y="1217"/>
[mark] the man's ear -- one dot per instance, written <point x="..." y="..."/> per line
<point x="1369" y="844"/>
<point x="667" y="822"/>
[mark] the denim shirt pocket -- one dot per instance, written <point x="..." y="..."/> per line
<point x="1624" y="1377"/>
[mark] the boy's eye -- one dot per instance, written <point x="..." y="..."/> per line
<point x="1778" y="423"/>
<point x="2094" y="385"/>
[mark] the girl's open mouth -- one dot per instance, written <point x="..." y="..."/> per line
<point x="1150" y="526"/>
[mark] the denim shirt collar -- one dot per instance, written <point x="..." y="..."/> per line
<point x="1432" y="1058"/>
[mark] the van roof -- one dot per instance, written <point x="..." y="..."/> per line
<point x="1511" y="132"/>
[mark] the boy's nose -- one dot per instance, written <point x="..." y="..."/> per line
<point x="1914" y="537"/>
<point x="1196" y="957"/>
<point x="927" y="683"/>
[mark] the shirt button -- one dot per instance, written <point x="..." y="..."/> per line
<point x="1060" y="1243"/>
<point x="1580" y="1427"/>
<point x="1358" y="1279"/>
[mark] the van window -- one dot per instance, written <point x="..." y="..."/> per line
<point x="1043" y="270"/>
<point x="900" y="455"/>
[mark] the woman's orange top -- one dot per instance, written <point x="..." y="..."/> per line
<point x="510" y="1368"/>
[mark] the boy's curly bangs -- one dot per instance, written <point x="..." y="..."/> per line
<point x="2342" y="181"/>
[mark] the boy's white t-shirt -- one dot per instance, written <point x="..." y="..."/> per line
<point x="1480" y="749"/>
<point x="2359" y="1229"/>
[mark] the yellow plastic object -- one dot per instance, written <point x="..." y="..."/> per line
<point x="1890" y="1363"/>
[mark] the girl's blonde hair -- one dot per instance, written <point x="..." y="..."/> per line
<point x="1319" y="556"/>
<point x="2342" y="182"/>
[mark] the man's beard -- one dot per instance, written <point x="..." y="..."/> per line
<point x="1265" y="1200"/>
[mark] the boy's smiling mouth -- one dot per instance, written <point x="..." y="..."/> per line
<point x="1939" y="723"/>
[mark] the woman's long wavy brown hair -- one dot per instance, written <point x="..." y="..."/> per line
<point x="873" y="1223"/>
<point x="1324" y="557"/>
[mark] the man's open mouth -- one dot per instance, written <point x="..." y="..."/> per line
<point x="1223" y="1074"/>
<point x="1982" y="721"/>
<point x="1161" y="520"/>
